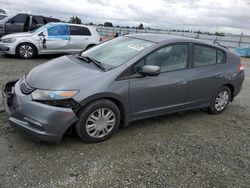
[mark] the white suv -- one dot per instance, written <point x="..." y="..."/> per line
<point x="52" y="38"/>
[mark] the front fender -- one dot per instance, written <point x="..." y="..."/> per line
<point x="117" y="99"/>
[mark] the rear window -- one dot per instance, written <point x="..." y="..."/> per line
<point x="76" y="30"/>
<point x="37" y="20"/>
<point x="205" y="55"/>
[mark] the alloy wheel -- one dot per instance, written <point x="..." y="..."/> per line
<point x="26" y="51"/>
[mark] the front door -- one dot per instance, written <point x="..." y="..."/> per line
<point x="56" y="39"/>
<point x="153" y="95"/>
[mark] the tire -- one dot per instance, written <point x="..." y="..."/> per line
<point x="93" y="126"/>
<point x="220" y="100"/>
<point x="90" y="46"/>
<point x="26" y="51"/>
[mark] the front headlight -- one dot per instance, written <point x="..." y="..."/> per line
<point x="8" y="40"/>
<point x="52" y="95"/>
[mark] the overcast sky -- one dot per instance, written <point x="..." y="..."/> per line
<point x="231" y="16"/>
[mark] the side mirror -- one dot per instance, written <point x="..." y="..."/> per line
<point x="150" y="70"/>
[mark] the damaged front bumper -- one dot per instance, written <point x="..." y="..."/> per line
<point x="40" y="121"/>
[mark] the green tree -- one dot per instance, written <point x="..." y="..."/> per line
<point x="108" y="24"/>
<point x="75" y="20"/>
<point x="140" y="26"/>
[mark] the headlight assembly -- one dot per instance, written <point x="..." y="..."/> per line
<point x="52" y="95"/>
<point x="8" y="40"/>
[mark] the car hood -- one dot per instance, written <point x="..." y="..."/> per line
<point x="16" y="35"/>
<point x="59" y="71"/>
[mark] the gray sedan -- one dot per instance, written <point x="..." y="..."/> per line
<point x="125" y="79"/>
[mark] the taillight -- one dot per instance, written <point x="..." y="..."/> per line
<point x="241" y="67"/>
<point x="101" y="39"/>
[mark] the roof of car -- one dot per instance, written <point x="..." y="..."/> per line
<point x="163" y="38"/>
<point x="65" y="23"/>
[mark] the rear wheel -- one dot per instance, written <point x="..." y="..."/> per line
<point x="26" y="50"/>
<point x="220" y="100"/>
<point x="98" y="121"/>
<point x="90" y="46"/>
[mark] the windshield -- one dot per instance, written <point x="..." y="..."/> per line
<point x="117" y="51"/>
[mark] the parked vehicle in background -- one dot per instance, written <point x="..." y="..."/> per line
<point x="52" y="38"/>
<point x="22" y="23"/>
<point x="122" y="80"/>
<point x="2" y="16"/>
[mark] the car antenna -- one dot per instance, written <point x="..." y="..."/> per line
<point x="216" y="42"/>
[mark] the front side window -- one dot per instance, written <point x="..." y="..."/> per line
<point x="20" y="18"/>
<point x="170" y="58"/>
<point x="59" y="30"/>
<point x="118" y="51"/>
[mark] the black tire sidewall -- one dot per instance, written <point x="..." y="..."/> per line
<point x="90" y="46"/>
<point x="89" y="109"/>
<point x="212" y="106"/>
<point x="31" y="45"/>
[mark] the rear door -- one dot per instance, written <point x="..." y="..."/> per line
<point x="153" y="95"/>
<point x="207" y="73"/>
<point x="79" y="37"/>
<point x="18" y="23"/>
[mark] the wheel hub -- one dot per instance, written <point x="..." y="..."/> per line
<point x="100" y="123"/>
<point x="221" y="100"/>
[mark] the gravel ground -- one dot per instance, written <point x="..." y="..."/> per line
<point x="188" y="149"/>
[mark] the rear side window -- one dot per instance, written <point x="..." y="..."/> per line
<point x="37" y="20"/>
<point x="48" y="19"/>
<point x="220" y="56"/>
<point x="76" y="30"/>
<point x="204" y="55"/>
<point x="20" y="18"/>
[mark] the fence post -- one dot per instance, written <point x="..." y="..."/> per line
<point x="240" y="39"/>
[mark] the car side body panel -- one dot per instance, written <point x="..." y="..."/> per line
<point x="136" y="97"/>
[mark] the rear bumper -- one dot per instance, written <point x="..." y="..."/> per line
<point x="40" y="121"/>
<point x="239" y="79"/>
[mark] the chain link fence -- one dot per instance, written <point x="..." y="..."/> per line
<point x="241" y="43"/>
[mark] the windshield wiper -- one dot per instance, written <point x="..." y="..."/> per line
<point x="89" y="59"/>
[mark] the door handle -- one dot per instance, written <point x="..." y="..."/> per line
<point x="181" y="82"/>
<point x="220" y="75"/>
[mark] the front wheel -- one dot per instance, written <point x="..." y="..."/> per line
<point x="220" y="100"/>
<point x="26" y="50"/>
<point x="98" y="121"/>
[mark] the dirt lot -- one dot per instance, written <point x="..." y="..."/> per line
<point x="189" y="149"/>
